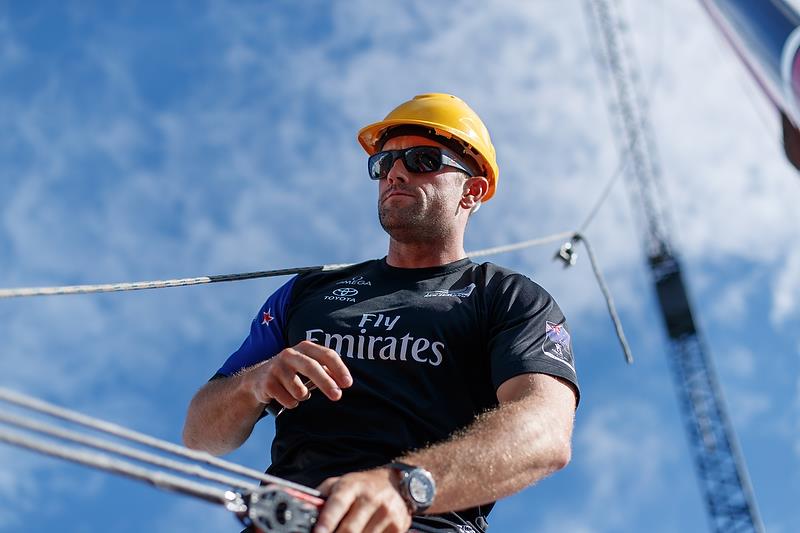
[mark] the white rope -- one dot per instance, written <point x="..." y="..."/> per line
<point x="159" y="284"/>
<point x="201" y="280"/>
<point x="521" y="245"/>
<point x="626" y="349"/>
<point x="105" y="462"/>
<point x="569" y="235"/>
<point x="123" y="451"/>
<point x="75" y="417"/>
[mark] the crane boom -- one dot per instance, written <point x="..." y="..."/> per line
<point x="720" y="467"/>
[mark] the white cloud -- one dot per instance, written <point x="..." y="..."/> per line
<point x="739" y="361"/>
<point x="730" y="306"/>
<point x="607" y="441"/>
<point x="745" y="406"/>
<point x="15" y="486"/>
<point x="626" y="459"/>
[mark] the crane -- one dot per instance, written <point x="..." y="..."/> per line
<point x="720" y="466"/>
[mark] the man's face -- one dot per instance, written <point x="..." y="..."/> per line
<point x="419" y="207"/>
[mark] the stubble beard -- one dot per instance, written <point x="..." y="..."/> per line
<point x="410" y="224"/>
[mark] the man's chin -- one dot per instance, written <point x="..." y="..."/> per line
<point x="395" y="216"/>
<point x="396" y="225"/>
<point x="392" y="226"/>
<point x="409" y="230"/>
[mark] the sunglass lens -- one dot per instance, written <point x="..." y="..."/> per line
<point x="423" y="159"/>
<point x="379" y="165"/>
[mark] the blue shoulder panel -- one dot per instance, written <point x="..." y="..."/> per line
<point x="266" y="337"/>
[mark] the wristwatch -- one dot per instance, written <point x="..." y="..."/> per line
<point x="416" y="486"/>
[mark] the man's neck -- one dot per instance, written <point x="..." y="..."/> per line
<point x="421" y="255"/>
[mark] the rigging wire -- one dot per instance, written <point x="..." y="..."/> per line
<point x="232" y="501"/>
<point x="626" y="349"/>
<point x="201" y="280"/>
<point x="33" y="404"/>
<point x="108" y="463"/>
<point x="621" y="166"/>
<point x="122" y="450"/>
<point x="573" y="236"/>
<point x="160" y="284"/>
<point x="236" y="502"/>
<point x="520" y="245"/>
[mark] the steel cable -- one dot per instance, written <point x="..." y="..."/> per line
<point x="40" y="406"/>
<point x="108" y="463"/>
<point x="122" y="450"/>
<point x="626" y="349"/>
<point x="202" y="280"/>
<point x="158" y="284"/>
<point x="521" y="245"/>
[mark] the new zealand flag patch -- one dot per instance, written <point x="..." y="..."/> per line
<point x="557" y="343"/>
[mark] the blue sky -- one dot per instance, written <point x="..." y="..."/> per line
<point x="177" y="139"/>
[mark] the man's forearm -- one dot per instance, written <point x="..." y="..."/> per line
<point x="221" y="416"/>
<point x="502" y="452"/>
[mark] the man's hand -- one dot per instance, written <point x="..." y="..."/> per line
<point x="280" y="378"/>
<point x="363" y="502"/>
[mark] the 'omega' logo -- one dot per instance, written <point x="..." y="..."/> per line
<point x="356" y="280"/>
<point x="345" y="291"/>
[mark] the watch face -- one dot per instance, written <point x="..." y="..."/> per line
<point x="420" y="488"/>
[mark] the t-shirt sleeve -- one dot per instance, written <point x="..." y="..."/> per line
<point x="528" y="333"/>
<point x="266" y="336"/>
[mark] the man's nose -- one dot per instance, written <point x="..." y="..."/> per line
<point x="398" y="172"/>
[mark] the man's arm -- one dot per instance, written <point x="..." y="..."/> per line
<point x="505" y="450"/>
<point x="223" y="412"/>
<point x="512" y="447"/>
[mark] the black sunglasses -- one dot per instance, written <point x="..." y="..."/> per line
<point x="418" y="159"/>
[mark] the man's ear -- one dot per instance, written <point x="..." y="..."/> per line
<point x="475" y="189"/>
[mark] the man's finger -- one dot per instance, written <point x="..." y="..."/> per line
<point x="359" y="515"/>
<point x="380" y="521"/>
<point x="298" y="388"/>
<point x="318" y="375"/>
<point x="294" y="363"/>
<point x="326" y="486"/>
<point x="337" y="505"/>
<point x="329" y="358"/>
<point x="276" y="391"/>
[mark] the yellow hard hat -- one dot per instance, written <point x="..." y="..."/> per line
<point x="448" y="116"/>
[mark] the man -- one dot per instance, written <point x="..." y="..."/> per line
<point x="444" y="385"/>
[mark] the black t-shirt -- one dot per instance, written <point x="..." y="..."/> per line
<point x="427" y="349"/>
